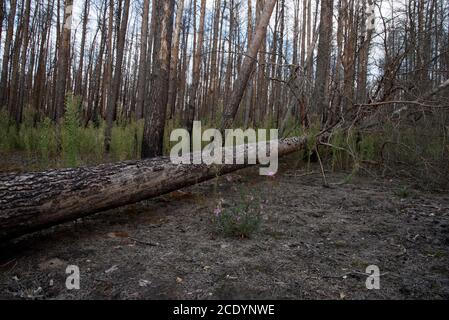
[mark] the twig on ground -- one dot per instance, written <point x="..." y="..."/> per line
<point x="301" y="175"/>
<point x="354" y="273"/>
<point x="7" y="263"/>
<point x="145" y="242"/>
<point x="326" y="185"/>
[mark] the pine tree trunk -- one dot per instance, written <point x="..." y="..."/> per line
<point x="63" y="61"/>
<point x="321" y="92"/>
<point x="153" y="138"/>
<point x="142" y="78"/>
<point x="117" y="80"/>
<point x="79" y="76"/>
<point x="173" y="87"/>
<point x="7" y="53"/>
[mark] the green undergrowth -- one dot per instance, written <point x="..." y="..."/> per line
<point x="36" y="142"/>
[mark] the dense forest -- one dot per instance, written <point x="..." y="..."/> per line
<point x="122" y="72"/>
<point x="357" y="92"/>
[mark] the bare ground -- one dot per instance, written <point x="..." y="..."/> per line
<point x="315" y="243"/>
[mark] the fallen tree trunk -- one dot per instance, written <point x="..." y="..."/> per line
<point x="34" y="201"/>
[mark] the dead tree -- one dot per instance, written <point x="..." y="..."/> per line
<point x="63" y="61"/>
<point x="321" y="92"/>
<point x="247" y="68"/>
<point x="141" y="82"/>
<point x="117" y="80"/>
<point x="34" y="201"/>
<point x="7" y="51"/>
<point x="175" y="59"/>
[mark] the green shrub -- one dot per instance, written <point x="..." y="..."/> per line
<point x="8" y="134"/>
<point x="368" y="148"/>
<point x="46" y="144"/>
<point x="350" y="149"/>
<point x="402" y="192"/>
<point x="126" y="141"/>
<point x="70" y="133"/>
<point x="91" y="144"/>
<point x="240" y="219"/>
<point x="339" y="155"/>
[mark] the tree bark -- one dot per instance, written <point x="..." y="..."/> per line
<point x="2" y="14"/>
<point x="193" y="106"/>
<point x="321" y="92"/>
<point x="20" y="49"/>
<point x="34" y="201"/>
<point x="214" y="68"/>
<point x="63" y="62"/>
<point x="153" y="137"/>
<point x="79" y="75"/>
<point x="7" y="52"/>
<point x="108" y="68"/>
<point x="366" y="37"/>
<point x="142" y="78"/>
<point x="117" y="80"/>
<point x="40" y="78"/>
<point x="175" y="59"/>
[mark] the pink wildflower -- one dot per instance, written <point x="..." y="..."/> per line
<point x="217" y="211"/>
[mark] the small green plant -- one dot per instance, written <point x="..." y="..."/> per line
<point x="240" y="219"/>
<point x="403" y="192"/>
<point x="338" y="152"/>
<point x="355" y="171"/>
<point x="368" y="148"/>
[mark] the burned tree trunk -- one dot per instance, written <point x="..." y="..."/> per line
<point x="7" y="52"/>
<point x="321" y="90"/>
<point x="63" y="62"/>
<point x="173" y="86"/>
<point x="117" y="79"/>
<point x="156" y="110"/>
<point x="34" y="201"/>
<point x="142" y="77"/>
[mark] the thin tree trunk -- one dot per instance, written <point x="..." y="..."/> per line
<point x="13" y="106"/>
<point x="2" y="16"/>
<point x="247" y="68"/>
<point x="117" y="80"/>
<point x="366" y="35"/>
<point x="141" y="82"/>
<point x="173" y="87"/>
<point x="109" y="60"/>
<point x="7" y="52"/>
<point x="63" y="61"/>
<point x="321" y="92"/>
<point x="193" y="106"/>
<point x="79" y="76"/>
<point x="153" y="138"/>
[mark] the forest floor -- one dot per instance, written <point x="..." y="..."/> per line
<point x="314" y="243"/>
